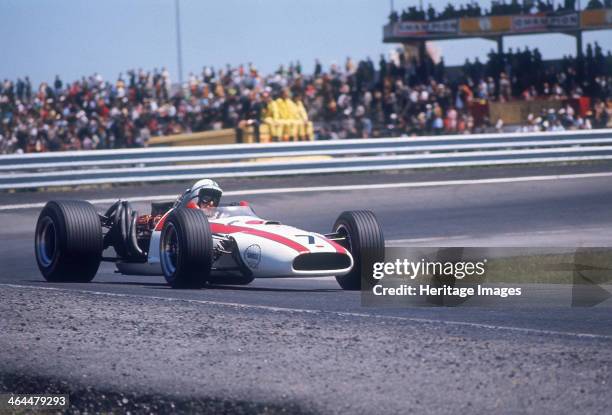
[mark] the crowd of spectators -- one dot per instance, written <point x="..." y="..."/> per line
<point x="523" y="73"/>
<point x="395" y="96"/>
<point x="564" y="118"/>
<point x="86" y="114"/>
<point x="498" y="8"/>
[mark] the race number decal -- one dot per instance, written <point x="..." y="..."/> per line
<point x="310" y="238"/>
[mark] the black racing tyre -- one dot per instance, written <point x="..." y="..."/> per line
<point x="186" y="248"/>
<point x="68" y="241"/>
<point x="365" y="241"/>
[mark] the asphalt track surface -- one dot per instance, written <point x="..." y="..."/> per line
<point x="303" y="345"/>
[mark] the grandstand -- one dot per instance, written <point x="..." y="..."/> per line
<point x="405" y="94"/>
<point x="416" y="26"/>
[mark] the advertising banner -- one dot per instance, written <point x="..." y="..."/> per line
<point x="443" y="26"/>
<point x="475" y="25"/>
<point x="596" y="18"/>
<point x="501" y="25"/>
<point x="529" y="23"/>
<point x="563" y="21"/>
<point x="489" y="24"/>
<point x="542" y="22"/>
<point x="412" y="29"/>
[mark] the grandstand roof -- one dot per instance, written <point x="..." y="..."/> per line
<point x="498" y="25"/>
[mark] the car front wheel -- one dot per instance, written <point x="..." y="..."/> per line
<point x="363" y="238"/>
<point x="186" y="248"/>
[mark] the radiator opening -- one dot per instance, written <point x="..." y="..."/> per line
<point x="320" y="261"/>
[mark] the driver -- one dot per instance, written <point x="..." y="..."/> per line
<point x="209" y="195"/>
<point x="204" y="194"/>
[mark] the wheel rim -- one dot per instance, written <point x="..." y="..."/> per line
<point x="341" y="229"/>
<point x="169" y="249"/>
<point x="46" y="242"/>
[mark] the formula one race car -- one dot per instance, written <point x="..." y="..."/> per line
<point x="191" y="244"/>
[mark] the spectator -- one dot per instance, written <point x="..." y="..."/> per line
<point x="498" y="8"/>
<point x="271" y="117"/>
<point x="403" y="97"/>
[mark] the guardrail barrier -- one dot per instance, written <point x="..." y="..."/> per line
<point x="156" y="164"/>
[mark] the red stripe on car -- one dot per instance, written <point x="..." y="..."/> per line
<point x="160" y="224"/>
<point x="220" y="228"/>
<point x="339" y="248"/>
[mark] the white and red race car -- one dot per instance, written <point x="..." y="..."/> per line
<point x="192" y="246"/>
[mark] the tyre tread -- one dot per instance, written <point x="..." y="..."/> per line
<point x="366" y="239"/>
<point x="80" y="244"/>
<point x="195" y="248"/>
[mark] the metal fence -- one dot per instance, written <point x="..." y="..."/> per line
<point x="236" y="160"/>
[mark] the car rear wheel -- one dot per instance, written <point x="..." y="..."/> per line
<point x="363" y="238"/>
<point x="68" y="241"/>
<point x="186" y="248"/>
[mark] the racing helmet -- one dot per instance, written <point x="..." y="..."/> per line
<point x="207" y="191"/>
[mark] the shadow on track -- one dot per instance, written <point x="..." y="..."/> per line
<point x="164" y="286"/>
<point x="72" y="284"/>
<point x="135" y="283"/>
<point x="247" y="288"/>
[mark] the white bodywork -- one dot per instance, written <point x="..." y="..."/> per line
<point x="268" y="249"/>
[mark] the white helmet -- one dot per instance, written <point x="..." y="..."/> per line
<point x="206" y="191"/>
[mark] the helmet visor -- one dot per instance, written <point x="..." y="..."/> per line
<point x="207" y="197"/>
